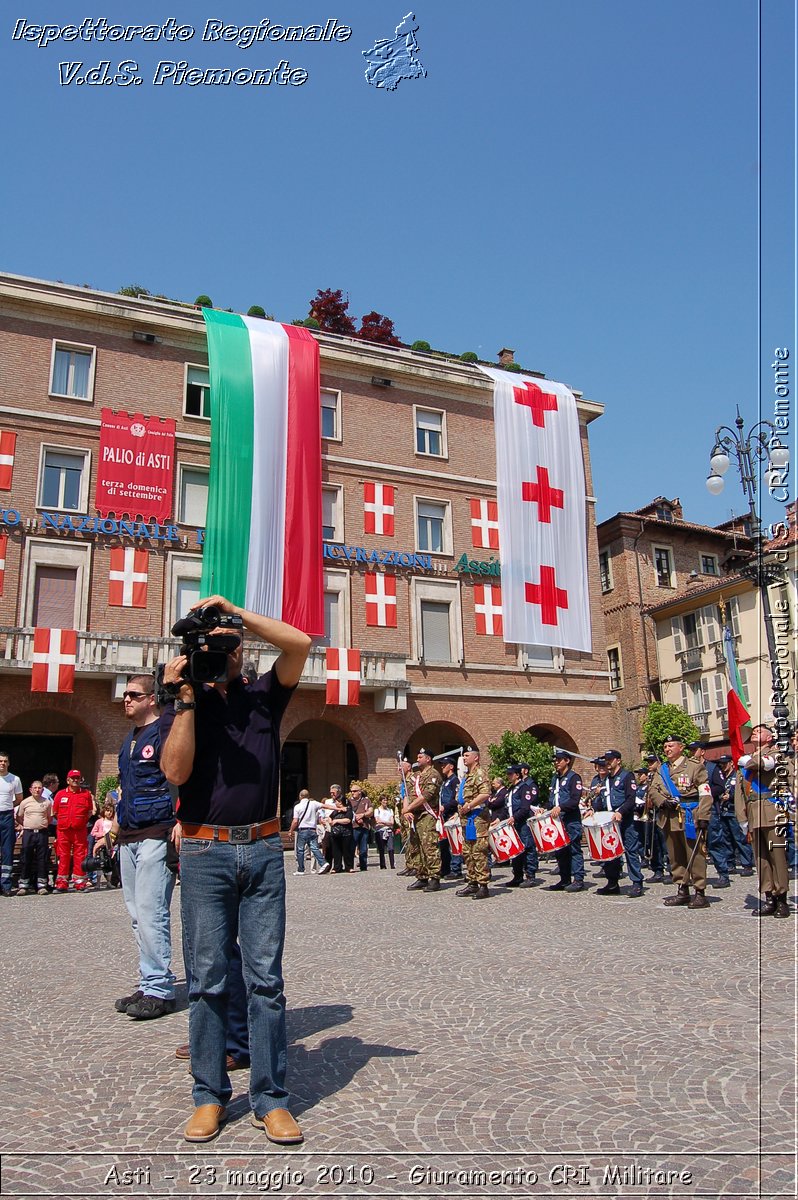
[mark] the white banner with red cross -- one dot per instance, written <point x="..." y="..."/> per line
<point x="488" y="609"/>
<point x="343" y="676"/>
<point x="379" y="508"/>
<point x="8" y="449"/>
<point x="3" y="552"/>
<point x="484" y="524"/>
<point x="542" y="525"/>
<point x="54" y="656"/>
<point x="380" y="599"/>
<point x="127" y="577"/>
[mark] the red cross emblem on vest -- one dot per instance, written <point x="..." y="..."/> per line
<point x="537" y="401"/>
<point x="543" y="495"/>
<point x="547" y="595"/>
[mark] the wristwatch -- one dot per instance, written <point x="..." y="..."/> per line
<point x="184" y="706"/>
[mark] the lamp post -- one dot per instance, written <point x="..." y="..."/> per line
<point x="760" y="446"/>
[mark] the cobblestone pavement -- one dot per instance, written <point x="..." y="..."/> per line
<point x="574" y="1045"/>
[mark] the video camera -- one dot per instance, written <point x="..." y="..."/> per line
<point x="207" y="652"/>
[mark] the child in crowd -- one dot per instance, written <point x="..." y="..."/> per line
<point x="33" y="816"/>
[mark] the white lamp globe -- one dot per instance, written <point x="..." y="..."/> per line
<point x="715" y="485"/>
<point x="779" y="456"/>
<point x="719" y="462"/>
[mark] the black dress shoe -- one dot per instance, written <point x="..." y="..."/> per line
<point x="418" y="886"/>
<point x="609" y="889"/>
<point x="482" y="892"/>
<point x="782" y="908"/>
<point x="557" y="887"/>
<point x="512" y="883"/>
<point x="747" y="872"/>
<point x="468" y="890"/>
<point x="657" y="877"/>
<point x="528" y="883"/>
<point x="722" y="882"/>
<point x="576" y="886"/>
<point x="637" y="890"/>
<point x="433" y="885"/>
<point x="768" y="908"/>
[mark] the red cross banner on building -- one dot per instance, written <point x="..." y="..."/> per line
<point x="488" y="609"/>
<point x="484" y="524"/>
<point x="127" y="577"/>
<point x="3" y="552"/>
<point x="541" y="513"/>
<point x="379" y="501"/>
<point x="343" y="676"/>
<point x="380" y="600"/>
<point x="8" y="446"/>
<point x="54" y="656"/>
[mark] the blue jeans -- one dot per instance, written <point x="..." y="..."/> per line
<point x="738" y="846"/>
<point x="147" y="885"/>
<point x="237" y="1031"/>
<point x="307" y="837"/>
<point x="361" y="840"/>
<point x="228" y="889"/>
<point x="7" y="839"/>
<point x="719" y="845"/>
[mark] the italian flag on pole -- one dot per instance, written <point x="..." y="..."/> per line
<point x="262" y="546"/>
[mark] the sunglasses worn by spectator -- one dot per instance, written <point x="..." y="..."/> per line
<point x="134" y="695"/>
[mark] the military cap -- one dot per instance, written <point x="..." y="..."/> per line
<point x="674" y="737"/>
<point x="451" y="759"/>
<point x="470" y="749"/>
<point x="696" y="745"/>
<point x="650" y="758"/>
<point x="724" y="758"/>
<point x="599" y="762"/>
<point x="612" y="754"/>
<point x="524" y="766"/>
<point x="514" y="769"/>
<point x="641" y="771"/>
<point x="563" y="754"/>
<point x="426" y="753"/>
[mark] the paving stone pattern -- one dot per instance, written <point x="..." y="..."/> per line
<point x="539" y="1033"/>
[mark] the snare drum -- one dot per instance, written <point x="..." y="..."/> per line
<point x="548" y="832"/>
<point x="454" y="832"/>
<point x="603" y="837"/>
<point x="505" y="843"/>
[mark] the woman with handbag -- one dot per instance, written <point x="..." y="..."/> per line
<point x="343" y="843"/>
<point x="385" y="824"/>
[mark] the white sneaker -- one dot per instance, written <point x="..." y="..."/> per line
<point x="323" y="870"/>
<point x="299" y="872"/>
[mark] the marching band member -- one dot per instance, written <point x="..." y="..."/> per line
<point x="763" y="821"/>
<point x="564" y="799"/>
<point x="622" y="795"/>
<point x="680" y="778"/>
<point x="522" y="794"/>
<point x="421" y="803"/>
<point x="476" y="795"/>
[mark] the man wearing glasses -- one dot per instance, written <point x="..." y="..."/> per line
<point x="144" y="826"/>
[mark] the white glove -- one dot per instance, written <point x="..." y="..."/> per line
<point x="744" y="760"/>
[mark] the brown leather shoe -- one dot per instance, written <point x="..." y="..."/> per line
<point x="699" y="900"/>
<point x="183" y="1052"/>
<point x="279" y="1126"/>
<point x="682" y="897"/>
<point x="205" y="1123"/>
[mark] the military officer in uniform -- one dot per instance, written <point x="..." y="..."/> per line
<point x="763" y="821"/>
<point x="522" y="795"/>
<point x="565" y="798"/>
<point x="451" y="865"/>
<point x="476" y="821"/>
<point x="681" y="778"/>
<point x="409" y="847"/>
<point x="421" y="803"/>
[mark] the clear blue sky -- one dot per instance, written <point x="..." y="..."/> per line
<point x="577" y="179"/>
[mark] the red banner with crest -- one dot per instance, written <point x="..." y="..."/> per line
<point x="136" y="466"/>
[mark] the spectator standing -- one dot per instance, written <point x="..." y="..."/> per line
<point x="362" y="821"/>
<point x="144" y="827"/>
<point x="343" y="846"/>
<point x="303" y="825"/>
<point x="385" y="823"/>
<point x="33" y="816"/>
<point x="10" y="794"/>
<point x="73" y="807"/>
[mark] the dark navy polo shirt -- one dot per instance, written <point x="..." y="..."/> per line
<point x="236" y="774"/>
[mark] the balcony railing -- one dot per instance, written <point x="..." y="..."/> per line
<point x="106" y="655"/>
<point x="701" y="720"/>
<point x="690" y="659"/>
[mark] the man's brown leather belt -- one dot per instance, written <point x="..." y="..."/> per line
<point x="232" y="833"/>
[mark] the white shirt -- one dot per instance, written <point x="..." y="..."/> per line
<point x="306" y="812"/>
<point x="384" y="816"/>
<point x="10" y="789"/>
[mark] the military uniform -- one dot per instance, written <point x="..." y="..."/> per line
<point x="690" y="781"/>
<point x="424" y="834"/>
<point x="765" y="820"/>
<point x="475" y="846"/>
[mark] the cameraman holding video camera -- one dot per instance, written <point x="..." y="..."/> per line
<point x="222" y="749"/>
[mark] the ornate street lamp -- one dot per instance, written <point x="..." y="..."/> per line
<point x="759" y="447"/>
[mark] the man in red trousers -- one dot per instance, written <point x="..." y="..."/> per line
<point x="72" y="808"/>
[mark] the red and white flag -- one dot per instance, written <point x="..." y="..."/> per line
<point x="541" y="500"/>
<point x="380" y="599"/>
<point x="8" y="447"/>
<point x="54" y="656"/>
<point x="3" y="552"/>
<point x="127" y="578"/>
<point x="488" y="608"/>
<point x="379" y="500"/>
<point x="485" y="524"/>
<point x="343" y="676"/>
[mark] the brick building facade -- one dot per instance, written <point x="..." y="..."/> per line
<point x="418" y="423"/>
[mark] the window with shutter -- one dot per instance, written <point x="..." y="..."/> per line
<point x="435" y="631"/>
<point x="54" y="597"/>
<point x="720" y="693"/>
<point x="676" y="632"/>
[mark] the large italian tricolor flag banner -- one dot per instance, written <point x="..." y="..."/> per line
<point x="262" y="546"/>
<point x="541" y="501"/>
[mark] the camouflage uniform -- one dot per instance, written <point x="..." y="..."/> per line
<point x="410" y="844"/>
<point x="691" y="781"/>
<point x="424" y="838"/>
<point x="475" y="853"/>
